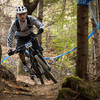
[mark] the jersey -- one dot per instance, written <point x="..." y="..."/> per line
<point x="18" y="25"/>
<point x="23" y="30"/>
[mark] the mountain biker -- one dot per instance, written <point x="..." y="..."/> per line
<point x="21" y="30"/>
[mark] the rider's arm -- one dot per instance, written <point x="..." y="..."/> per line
<point x="37" y="23"/>
<point x="11" y="33"/>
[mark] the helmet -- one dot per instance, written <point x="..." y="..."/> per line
<point x="21" y="9"/>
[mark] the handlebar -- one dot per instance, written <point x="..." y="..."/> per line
<point x="17" y="50"/>
<point x="25" y="46"/>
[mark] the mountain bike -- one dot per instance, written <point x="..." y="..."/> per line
<point x="39" y="66"/>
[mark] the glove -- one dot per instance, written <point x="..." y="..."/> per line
<point x="40" y="30"/>
<point x="10" y="52"/>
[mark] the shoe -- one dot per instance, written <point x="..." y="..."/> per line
<point x="26" y="69"/>
<point x="34" y="77"/>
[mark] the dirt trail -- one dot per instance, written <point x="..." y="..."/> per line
<point x="30" y="91"/>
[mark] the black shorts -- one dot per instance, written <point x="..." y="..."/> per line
<point x="23" y="40"/>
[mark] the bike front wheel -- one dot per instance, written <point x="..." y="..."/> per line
<point x="45" y="68"/>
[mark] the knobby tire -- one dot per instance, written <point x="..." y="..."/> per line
<point x="44" y="66"/>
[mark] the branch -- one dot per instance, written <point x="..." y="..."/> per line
<point x="62" y="12"/>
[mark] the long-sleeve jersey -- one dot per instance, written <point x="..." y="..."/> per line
<point x="25" y="31"/>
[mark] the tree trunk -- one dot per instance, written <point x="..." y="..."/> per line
<point x="40" y="16"/>
<point x="4" y="72"/>
<point x="95" y="36"/>
<point x="0" y="53"/>
<point x="0" y="43"/>
<point x="30" y="6"/>
<point x="82" y="42"/>
<point x="97" y="40"/>
<point x="98" y="52"/>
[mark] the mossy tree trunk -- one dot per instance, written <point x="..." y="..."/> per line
<point x="5" y="74"/>
<point x="0" y="43"/>
<point x="0" y="53"/>
<point x="82" y="42"/>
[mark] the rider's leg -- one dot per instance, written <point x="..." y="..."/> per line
<point x="19" y="42"/>
<point x="22" y="57"/>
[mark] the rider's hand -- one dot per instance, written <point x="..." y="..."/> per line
<point x="10" y="52"/>
<point x="40" y="30"/>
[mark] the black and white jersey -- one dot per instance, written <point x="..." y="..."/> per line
<point x="24" y="29"/>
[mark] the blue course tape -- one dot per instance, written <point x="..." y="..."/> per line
<point x="5" y="59"/>
<point x="48" y="58"/>
<point x="83" y="2"/>
<point x="92" y="33"/>
<point x="93" y="15"/>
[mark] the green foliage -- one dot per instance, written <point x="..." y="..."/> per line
<point x="8" y="66"/>
<point x="47" y="2"/>
<point x="64" y="27"/>
<point x="31" y="1"/>
<point x="62" y="32"/>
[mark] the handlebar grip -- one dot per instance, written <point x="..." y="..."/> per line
<point x="11" y="52"/>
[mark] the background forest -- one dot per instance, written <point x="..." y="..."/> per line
<point x="60" y="29"/>
<point x="67" y="27"/>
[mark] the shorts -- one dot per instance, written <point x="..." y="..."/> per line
<point x="23" y="40"/>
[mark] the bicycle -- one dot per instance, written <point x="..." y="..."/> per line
<point x="39" y="66"/>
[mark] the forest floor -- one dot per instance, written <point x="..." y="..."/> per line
<point x="25" y="89"/>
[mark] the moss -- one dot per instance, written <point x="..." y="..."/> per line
<point x="83" y="89"/>
<point x="72" y="82"/>
<point x="66" y="94"/>
<point x="87" y="92"/>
